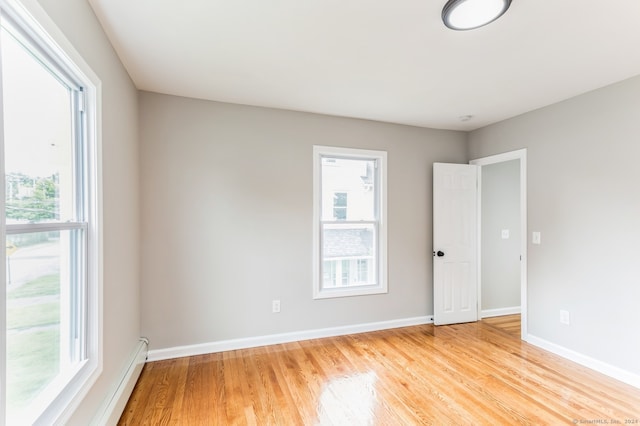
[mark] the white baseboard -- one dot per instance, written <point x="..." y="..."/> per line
<point x="594" y="364"/>
<point x="273" y="339"/>
<point x="487" y="313"/>
<point x="116" y="400"/>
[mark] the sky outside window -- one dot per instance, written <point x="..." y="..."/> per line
<point x="37" y="134"/>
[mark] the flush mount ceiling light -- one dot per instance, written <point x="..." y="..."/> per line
<point x="469" y="14"/>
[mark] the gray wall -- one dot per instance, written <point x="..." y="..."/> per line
<point x="500" y="257"/>
<point x="583" y="197"/>
<point x="227" y="208"/>
<point x="121" y="195"/>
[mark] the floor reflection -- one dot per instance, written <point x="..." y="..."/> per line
<point x="348" y="400"/>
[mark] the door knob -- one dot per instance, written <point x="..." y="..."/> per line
<point x="440" y="253"/>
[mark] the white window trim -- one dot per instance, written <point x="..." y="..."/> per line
<point x="382" y="285"/>
<point x="35" y="22"/>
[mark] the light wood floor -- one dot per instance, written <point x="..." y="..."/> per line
<point x="476" y="373"/>
<point x="507" y="323"/>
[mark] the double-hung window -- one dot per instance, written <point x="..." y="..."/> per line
<point x="349" y="230"/>
<point x="49" y="156"/>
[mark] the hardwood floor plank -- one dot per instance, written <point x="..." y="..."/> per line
<point x="301" y="388"/>
<point x="476" y="373"/>
<point x="234" y="404"/>
<point x="508" y="323"/>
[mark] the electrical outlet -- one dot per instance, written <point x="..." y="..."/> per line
<point x="275" y="306"/>
<point x="565" y="318"/>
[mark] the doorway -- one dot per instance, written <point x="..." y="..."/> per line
<point x="502" y="235"/>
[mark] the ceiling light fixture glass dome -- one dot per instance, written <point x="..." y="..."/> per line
<point x="469" y="14"/>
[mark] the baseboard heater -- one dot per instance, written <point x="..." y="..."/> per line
<point x="114" y="405"/>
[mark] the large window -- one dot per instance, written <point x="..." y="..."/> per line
<point x="349" y="222"/>
<point x="51" y="332"/>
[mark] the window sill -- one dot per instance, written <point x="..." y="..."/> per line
<point x="349" y="291"/>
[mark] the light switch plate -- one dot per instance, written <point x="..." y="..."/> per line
<point x="505" y="234"/>
<point x="535" y="237"/>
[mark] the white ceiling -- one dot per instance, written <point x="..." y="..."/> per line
<point x="390" y="60"/>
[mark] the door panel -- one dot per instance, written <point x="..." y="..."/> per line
<point x="455" y="243"/>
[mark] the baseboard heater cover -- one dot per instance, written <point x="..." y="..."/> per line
<point x="114" y="404"/>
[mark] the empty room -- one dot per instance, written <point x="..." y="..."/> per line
<point x="320" y="213"/>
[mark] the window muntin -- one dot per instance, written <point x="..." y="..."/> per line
<point x="51" y="224"/>
<point x="349" y="230"/>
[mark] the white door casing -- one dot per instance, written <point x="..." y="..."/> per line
<point x="455" y="233"/>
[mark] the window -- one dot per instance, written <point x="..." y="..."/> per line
<point x="50" y="225"/>
<point x="349" y="222"/>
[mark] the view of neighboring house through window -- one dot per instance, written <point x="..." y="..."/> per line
<point x="340" y="205"/>
<point x="47" y="227"/>
<point x="350" y="234"/>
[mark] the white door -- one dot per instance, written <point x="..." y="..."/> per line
<point x="455" y="291"/>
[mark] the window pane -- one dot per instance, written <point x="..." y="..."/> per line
<point x="37" y="139"/>
<point x="41" y="343"/>
<point x="348" y="189"/>
<point x="348" y="252"/>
